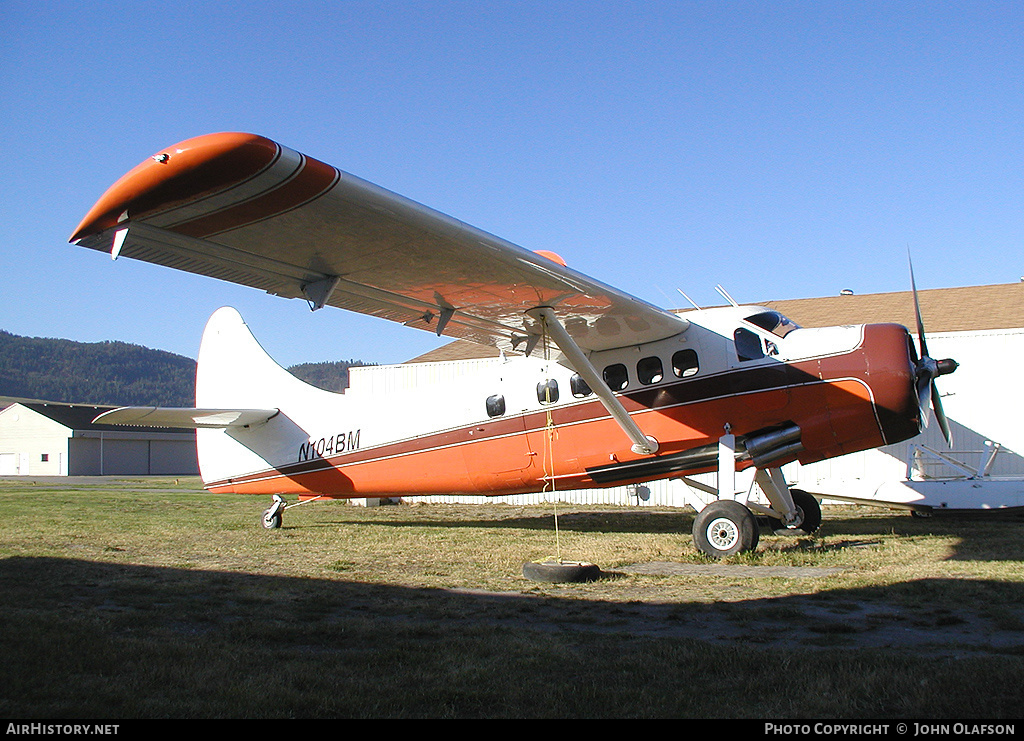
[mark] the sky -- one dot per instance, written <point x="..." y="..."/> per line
<point x="781" y="149"/>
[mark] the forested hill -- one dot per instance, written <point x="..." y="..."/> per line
<point x="118" y="373"/>
<point x="329" y="376"/>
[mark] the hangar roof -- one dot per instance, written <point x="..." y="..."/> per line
<point x="971" y="308"/>
<point x="966" y="309"/>
<point x="72" y="416"/>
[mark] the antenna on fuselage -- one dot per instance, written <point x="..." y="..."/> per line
<point x="692" y="302"/>
<point x="725" y="295"/>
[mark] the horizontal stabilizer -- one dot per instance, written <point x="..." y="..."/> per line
<point x="185" y="417"/>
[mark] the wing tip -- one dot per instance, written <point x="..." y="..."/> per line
<point x="177" y="173"/>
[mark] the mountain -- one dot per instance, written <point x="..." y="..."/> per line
<point x="118" y="373"/>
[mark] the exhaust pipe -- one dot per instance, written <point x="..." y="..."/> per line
<point x="762" y="449"/>
<point x="772" y="446"/>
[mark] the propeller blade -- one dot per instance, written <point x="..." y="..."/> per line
<point x="940" y="416"/>
<point x="917" y="310"/>
<point x="924" y="396"/>
<point x="928" y="369"/>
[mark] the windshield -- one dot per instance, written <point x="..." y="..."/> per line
<point x="774" y="322"/>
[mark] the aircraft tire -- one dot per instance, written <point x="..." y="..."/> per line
<point x="561" y="571"/>
<point x="271" y="520"/>
<point x="809" y="515"/>
<point x="725" y="528"/>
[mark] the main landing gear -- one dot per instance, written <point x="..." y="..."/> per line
<point x="726" y="527"/>
<point x="727" y="522"/>
<point x="807" y="519"/>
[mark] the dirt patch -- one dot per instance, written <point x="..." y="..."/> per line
<point x="826" y="621"/>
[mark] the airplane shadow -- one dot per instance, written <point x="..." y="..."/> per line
<point x="100" y="640"/>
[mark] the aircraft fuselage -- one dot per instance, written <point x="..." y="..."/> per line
<point x="527" y="424"/>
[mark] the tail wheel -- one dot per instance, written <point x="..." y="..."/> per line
<point x="274" y="514"/>
<point x="725" y="528"/>
<point x="808" y="512"/>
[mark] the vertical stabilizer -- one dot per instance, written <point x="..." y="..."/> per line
<point x="234" y="371"/>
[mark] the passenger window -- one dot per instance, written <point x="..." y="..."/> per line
<point x="684" y="363"/>
<point x="649" y="370"/>
<point x="616" y="376"/>
<point x="748" y="344"/>
<point x="579" y="387"/>
<point x="495" y="405"/>
<point x="547" y="391"/>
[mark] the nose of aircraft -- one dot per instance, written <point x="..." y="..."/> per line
<point x="926" y="371"/>
<point x="892" y="365"/>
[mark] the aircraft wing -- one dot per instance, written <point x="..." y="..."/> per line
<point x="185" y="417"/>
<point x="244" y="209"/>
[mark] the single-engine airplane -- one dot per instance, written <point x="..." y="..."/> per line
<point x="598" y="389"/>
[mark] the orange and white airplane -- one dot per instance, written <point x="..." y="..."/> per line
<point x="598" y="388"/>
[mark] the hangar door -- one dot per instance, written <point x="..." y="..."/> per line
<point x="121" y="457"/>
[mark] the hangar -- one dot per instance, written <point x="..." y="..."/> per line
<point x="982" y="327"/>
<point x="51" y="439"/>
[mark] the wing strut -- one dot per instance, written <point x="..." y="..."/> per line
<point x="642" y="444"/>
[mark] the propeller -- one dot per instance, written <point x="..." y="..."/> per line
<point x="927" y="370"/>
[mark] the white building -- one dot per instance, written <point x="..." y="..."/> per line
<point x="50" y="439"/>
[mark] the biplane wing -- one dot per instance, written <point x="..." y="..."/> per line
<point x="242" y="208"/>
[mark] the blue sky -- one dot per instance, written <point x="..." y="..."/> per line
<point x="782" y="149"/>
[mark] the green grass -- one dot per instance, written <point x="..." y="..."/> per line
<point x="144" y="598"/>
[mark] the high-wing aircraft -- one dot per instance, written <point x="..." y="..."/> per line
<point x="598" y="388"/>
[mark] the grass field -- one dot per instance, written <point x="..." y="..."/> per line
<point x="149" y="598"/>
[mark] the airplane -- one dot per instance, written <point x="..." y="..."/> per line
<point x="596" y="388"/>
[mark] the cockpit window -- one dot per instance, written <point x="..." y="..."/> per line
<point x="774" y="322"/>
<point x="748" y="344"/>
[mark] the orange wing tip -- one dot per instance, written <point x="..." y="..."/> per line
<point x="179" y="173"/>
<point x="553" y="256"/>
